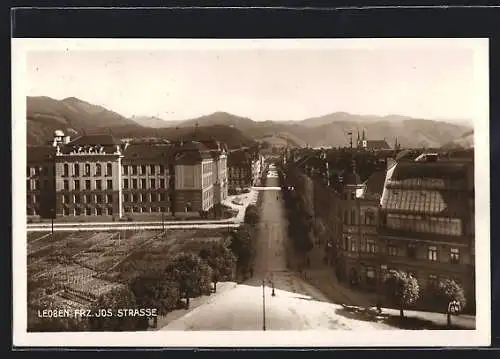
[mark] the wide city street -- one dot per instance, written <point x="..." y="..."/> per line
<point x="296" y="305"/>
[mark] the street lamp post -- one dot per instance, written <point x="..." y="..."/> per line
<point x="263" y="306"/>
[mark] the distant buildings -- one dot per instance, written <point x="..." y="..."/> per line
<point x="245" y="168"/>
<point x="372" y="145"/>
<point x="96" y="175"/>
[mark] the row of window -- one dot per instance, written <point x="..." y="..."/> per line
<point x="370" y="246"/>
<point x="369" y="217"/>
<point x="77" y="211"/>
<point x="127" y="184"/>
<point x="146" y="209"/>
<point x="145" y="197"/>
<point x="153" y="183"/>
<point x="37" y="185"/>
<point x="38" y="171"/>
<point x="432" y="279"/>
<point x="438" y="225"/>
<point x="108" y="198"/>
<point x="237" y="170"/>
<point x="87" y="170"/>
<point x="87" y="211"/>
<point x="87" y="185"/>
<point x="143" y="169"/>
<point x="87" y="198"/>
<point x="97" y="170"/>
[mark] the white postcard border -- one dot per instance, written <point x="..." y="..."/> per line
<point x="397" y="338"/>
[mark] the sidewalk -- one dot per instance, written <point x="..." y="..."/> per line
<point x="325" y="280"/>
<point x="194" y="303"/>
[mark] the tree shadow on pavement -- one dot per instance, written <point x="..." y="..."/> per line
<point x="287" y="283"/>
<point x="406" y="323"/>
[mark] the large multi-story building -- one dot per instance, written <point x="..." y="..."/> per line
<point x="357" y="260"/>
<point x="88" y="176"/>
<point x="146" y="178"/>
<point x="97" y="175"/>
<point x="427" y="222"/>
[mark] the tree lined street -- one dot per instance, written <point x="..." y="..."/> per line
<point x="296" y="304"/>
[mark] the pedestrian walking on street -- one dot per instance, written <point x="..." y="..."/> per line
<point x="251" y="272"/>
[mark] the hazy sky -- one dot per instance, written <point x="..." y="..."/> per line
<point x="261" y="84"/>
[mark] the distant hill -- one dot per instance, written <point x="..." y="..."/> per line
<point x="44" y="115"/>
<point x="153" y="122"/>
<point x="219" y="118"/>
<point x="465" y="141"/>
<point x="74" y="116"/>
<point x="409" y="132"/>
<point x="347" y="117"/>
<point x="332" y="130"/>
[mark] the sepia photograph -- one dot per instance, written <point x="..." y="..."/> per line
<point x="282" y="192"/>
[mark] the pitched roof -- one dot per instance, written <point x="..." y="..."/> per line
<point x="438" y="170"/>
<point x="375" y="183"/>
<point x="413" y="192"/>
<point x="191" y="156"/>
<point x="423" y="201"/>
<point x="97" y="139"/>
<point x="148" y="151"/>
<point x="191" y="152"/>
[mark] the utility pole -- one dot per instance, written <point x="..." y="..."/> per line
<point x="263" y="305"/>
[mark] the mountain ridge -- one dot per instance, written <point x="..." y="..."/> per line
<point x="44" y="115"/>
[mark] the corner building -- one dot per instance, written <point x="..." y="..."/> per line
<point x="427" y="227"/>
<point x="88" y="176"/>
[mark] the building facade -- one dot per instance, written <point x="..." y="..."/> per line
<point x="427" y="224"/>
<point x="357" y="248"/>
<point x="40" y="182"/>
<point x="146" y="179"/>
<point x="244" y="169"/>
<point x="414" y="213"/>
<point x="87" y="176"/>
<point x="97" y="175"/>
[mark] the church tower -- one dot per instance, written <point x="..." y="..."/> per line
<point x="363" y="140"/>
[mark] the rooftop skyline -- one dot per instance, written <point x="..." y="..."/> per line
<point x="263" y="82"/>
